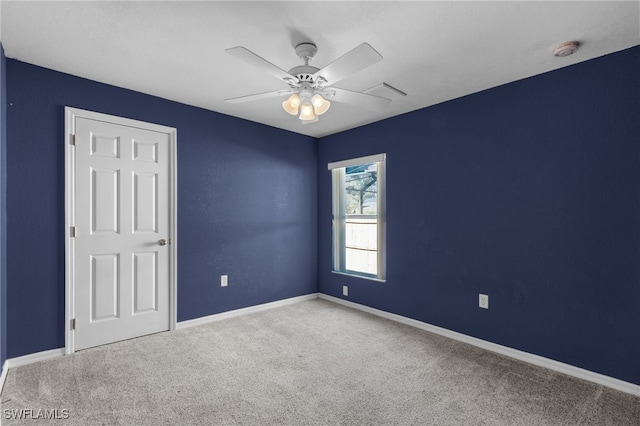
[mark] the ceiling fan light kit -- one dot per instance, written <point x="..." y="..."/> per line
<point x="320" y="104"/>
<point x="308" y="101"/>
<point x="311" y="87"/>
<point x="291" y="105"/>
<point x="306" y="112"/>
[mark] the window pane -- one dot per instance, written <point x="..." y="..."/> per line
<point x="361" y="261"/>
<point x="361" y="243"/>
<point x="361" y="187"/>
<point x="361" y="233"/>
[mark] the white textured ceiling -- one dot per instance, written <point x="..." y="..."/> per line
<point x="433" y="51"/>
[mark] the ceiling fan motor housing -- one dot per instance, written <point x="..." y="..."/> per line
<point x="304" y="73"/>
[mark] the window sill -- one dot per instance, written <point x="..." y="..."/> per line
<point x="364" y="277"/>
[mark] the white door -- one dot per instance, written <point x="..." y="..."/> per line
<point x="122" y="258"/>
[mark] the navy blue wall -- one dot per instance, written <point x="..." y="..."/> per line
<point x="3" y="204"/>
<point x="247" y="204"/>
<point x="528" y="192"/>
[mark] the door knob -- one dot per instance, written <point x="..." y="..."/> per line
<point x="162" y="242"/>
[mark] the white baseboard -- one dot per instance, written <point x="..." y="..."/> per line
<point x="55" y="353"/>
<point x="3" y="376"/>
<point x="244" y="311"/>
<point x="31" y="358"/>
<point x="494" y="347"/>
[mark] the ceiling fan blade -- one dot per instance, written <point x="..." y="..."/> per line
<point x="258" y="96"/>
<point x="248" y="56"/>
<point x="363" y="100"/>
<point x="353" y="61"/>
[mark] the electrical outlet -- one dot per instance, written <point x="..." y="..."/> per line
<point x="483" y="301"/>
<point x="345" y="290"/>
<point x="224" y="280"/>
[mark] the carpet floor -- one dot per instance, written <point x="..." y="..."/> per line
<point x="309" y="363"/>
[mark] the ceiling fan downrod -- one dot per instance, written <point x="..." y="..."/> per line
<point x="306" y="51"/>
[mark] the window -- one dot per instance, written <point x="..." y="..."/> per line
<point x="359" y="216"/>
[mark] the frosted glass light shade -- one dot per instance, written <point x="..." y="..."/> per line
<point x="291" y="105"/>
<point x="320" y="104"/>
<point x="306" y="112"/>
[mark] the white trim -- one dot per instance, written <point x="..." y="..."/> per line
<point x="3" y="376"/>
<point x="173" y="234"/>
<point x="69" y="220"/>
<point x="35" y="357"/>
<point x="244" y="311"/>
<point x="340" y="217"/>
<point x="56" y="353"/>
<point x="364" y="277"/>
<point x="567" y="369"/>
<point x="69" y="179"/>
<point x="376" y="158"/>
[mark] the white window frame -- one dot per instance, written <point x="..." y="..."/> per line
<point x="339" y="217"/>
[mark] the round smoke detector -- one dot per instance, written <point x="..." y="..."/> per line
<point x="566" y="48"/>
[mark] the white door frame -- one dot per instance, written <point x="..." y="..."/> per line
<point x="69" y="198"/>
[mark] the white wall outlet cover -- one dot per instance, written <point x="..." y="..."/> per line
<point x="483" y="301"/>
<point x="345" y="290"/>
<point x="224" y="280"/>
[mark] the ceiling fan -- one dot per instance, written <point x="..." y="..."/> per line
<point x="310" y="88"/>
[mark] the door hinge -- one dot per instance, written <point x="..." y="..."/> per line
<point x="72" y="324"/>
<point x="73" y="232"/>
<point x="72" y="139"/>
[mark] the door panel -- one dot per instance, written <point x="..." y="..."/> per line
<point x="145" y="194"/>
<point x="105" y="287"/>
<point x="145" y="151"/>
<point x="122" y="212"/>
<point x="105" y="146"/>
<point x="105" y="200"/>
<point x="145" y="282"/>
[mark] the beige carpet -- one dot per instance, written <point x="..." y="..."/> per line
<point x="312" y="363"/>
